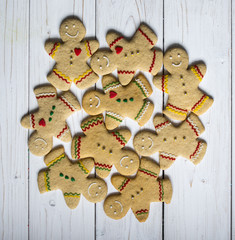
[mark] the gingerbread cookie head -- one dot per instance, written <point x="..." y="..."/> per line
<point x="93" y="102"/>
<point x="72" y="29"/>
<point x="138" y="193"/>
<point x="103" y="62"/>
<point x="120" y="101"/>
<point x="175" y="60"/>
<point x="50" y="119"/>
<point x="71" y="178"/>
<point x="128" y="56"/>
<point x="106" y="148"/>
<point x="172" y="141"/>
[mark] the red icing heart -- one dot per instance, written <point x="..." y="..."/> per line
<point x="118" y="49"/>
<point x="112" y="94"/>
<point x="42" y="122"/>
<point x="77" y="51"/>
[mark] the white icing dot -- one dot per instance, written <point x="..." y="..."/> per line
<point x="111" y="206"/>
<point x="74" y="25"/>
<point x="142" y="139"/>
<point x="96" y="194"/>
<point x="100" y="67"/>
<point x="126" y="166"/>
<point x="66" y="27"/>
<point x="131" y="161"/>
<point x="170" y="57"/>
<point x="142" y="147"/>
<point x="115" y="212"/>
<point x="90" y="105"/>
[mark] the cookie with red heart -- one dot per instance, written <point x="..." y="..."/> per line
<point x="49" y="120"/>
<point x="128" y="56"/>
<point x="120" y="101"/>
<point x="71" y="55"/>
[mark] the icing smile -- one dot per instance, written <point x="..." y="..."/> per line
<point x="98" y="104"/>
<point x="72" y="36"/>
<point x="176" y="65"/>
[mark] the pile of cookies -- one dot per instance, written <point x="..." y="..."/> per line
<point x="102" y="144"/>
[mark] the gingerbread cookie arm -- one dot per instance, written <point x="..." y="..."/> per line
<point x="166" y="159"/>
<point x="160" y="122"/>
<point x="114" y="39"/>
<point x="86" y="165"/>
<point x="44" y="181"/>
<point x="64" y="133"/>
<point x="120" y="182"/>
<point x="51" y="47"/>
<point x="112" y="120"/>
<point x="91" y="47"/>
<point x="78" y="147"/>
<point x="122" y="136"/>
<point x="116" y="206"/>
<point x="149" y="169"/>
<point x="28" y="121"/>
<point x="161" y="82"/>
<point x="142" y="85"/>
<point x="110" y="83"/>
<point x="43" y="93"/>
<point x="193" y="123"/>
<point x="102" y="168"/>
<point x="146" y="35"/>
<point x="70" y="103"/>
<point x="125" y="75"/>
<point x="90" y="124"/>
<point x="198" y="152"/>
<point x="141" y="210"/>
<point x="199" y="71"/>
<point x="72" y="198"/>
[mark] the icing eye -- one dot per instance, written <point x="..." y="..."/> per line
<point x="132" y="196"/>
<point x="98" y="59"/>
<point x="142" y="139"/>
<point x="142" y="147"/>
<point x="111" y="206"/>
<point x="110" y="151"/>
<point x="90" y="105"/>
<point x="164" y="139"/>
<point x="66" y="27"/>
<point x="100" y="67"/>
<point x="90" y="99"/>
<point x="103" y="147"/>
<point x="131" y="161"/>
<point x="170" y="57"/>
<point x="126" y="166"/>
<point x="74" y="25"/>
<point x="96" y="194"/>
<point x="185" y="93"/>
<point x="115" y="212"/>
<point x="178" y="55"/>
<point x="98" y="144"/>
<point x="99" y="187"/>
<point x="184" y="137"/>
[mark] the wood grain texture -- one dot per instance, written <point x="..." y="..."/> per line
<point x="13" y="138"/>
<point x="49" y="216"/>
<point x="201" y="204"/>
<point x="125" y="17"/>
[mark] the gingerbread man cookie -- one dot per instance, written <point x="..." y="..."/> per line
<point x="105" y="147"/>
<point x="49" y="120"/>
<point x="172" y="141"/>
<point x="71" y="178"/>
<point x="71" y="55"/>
<point x="129" y="56"/>
<point x="182" y="85"/>
<point x="138" y="193"/>
<point x="120" y="101"/>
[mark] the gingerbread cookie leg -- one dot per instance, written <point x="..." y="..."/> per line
<point x="164" y="192"/>
<point x="175" y="112"/>
<point x="72" y="199"/>
<point x="59" y="80"/>
<point x="102" y="168"/>
<point x="144" y="113"/>
<point x="141" y="211"/>
<point x="87" y="78"/>
<point x="202" y="104"/>
<point x="64" y="134"/>
<point x="125" y="75"/>
<point x="198" y="152"/>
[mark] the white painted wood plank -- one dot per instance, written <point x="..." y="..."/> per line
<point x="233" y="118"/>
<point x="125" y="17"/>
<point x="50" y="218"/>
<point x="14" y="17"/>
<point x="201" y="204"/>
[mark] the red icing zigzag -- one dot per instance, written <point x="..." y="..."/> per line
<point x="66" y="103"/>
<point x="145" y="35"/>
<point x="115" y="41"/>
<point x="65" y="128"/>
<point x="153" y="62"/>
<point x="192" y="127"/>
<point x="61" y="77"/>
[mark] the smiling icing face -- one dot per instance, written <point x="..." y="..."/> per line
<point x="102" y="62"/>
<point x="175" y="60"/>
<point x="72" y="30"/>
<point x="91" y="102"/>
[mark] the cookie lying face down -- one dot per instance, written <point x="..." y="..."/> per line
<point x="138" y="193"/>
<point x="49" y="120"/>
<point x="128" y="56"/>
<point x="171" y="141"/>
<point x="181" y="84"/>
<point x="120" y="101"/>
<point x="71" y="178"/>
<point x="71" y="55"/>
<point x="106" y="148"/>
